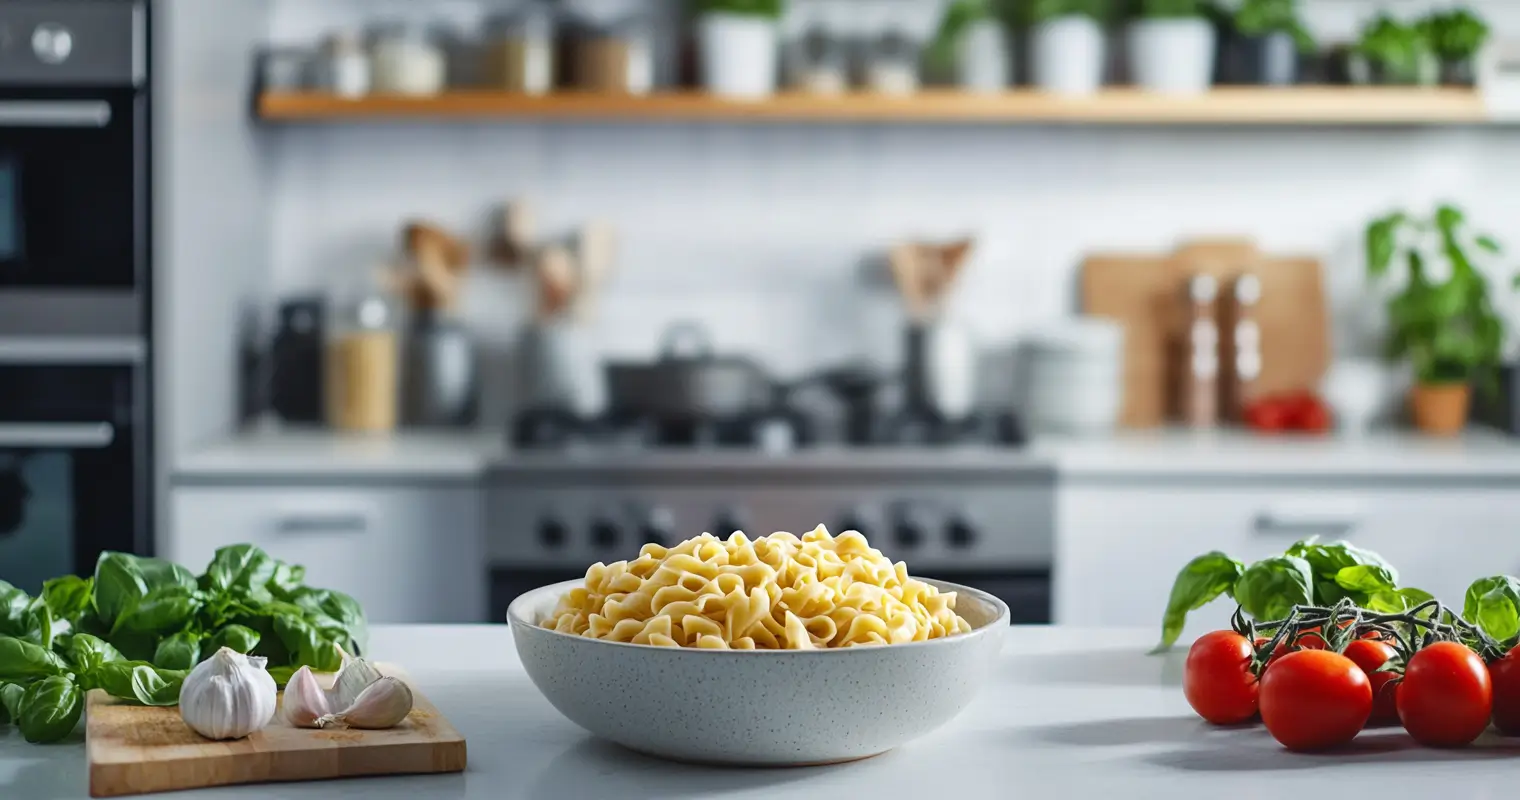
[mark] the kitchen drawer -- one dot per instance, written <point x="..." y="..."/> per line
<point x="406" y="554"/>
<point x="1119" y="548"/>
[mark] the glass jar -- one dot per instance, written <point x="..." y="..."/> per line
<point x="406" y="61"/>
<point x="616" y="58"/>
<point x="519" y="51"/>
<point x="363" y="365"/>
<point x="820" y="63"/>
<point x="345" y="66"/>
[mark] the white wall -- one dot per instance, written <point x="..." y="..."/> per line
<point x="759" y="230"/>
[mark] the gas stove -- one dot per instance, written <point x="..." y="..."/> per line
<point x="966" y="504"/>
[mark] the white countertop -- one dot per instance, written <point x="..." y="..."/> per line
<point x="274" y="454"/>
<point x="1071" y="713"/>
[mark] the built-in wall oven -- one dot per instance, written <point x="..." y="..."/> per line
<point x="75" y="311"/>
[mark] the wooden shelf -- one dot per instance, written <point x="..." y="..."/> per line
<point x="1319" y="105"/>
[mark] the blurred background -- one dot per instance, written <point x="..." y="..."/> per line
<point x="447" y="300"/>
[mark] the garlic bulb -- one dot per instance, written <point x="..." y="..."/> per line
<point x="305" y="702"/>
<point x="228" y="696"/>
<point x="355" y="676"/>
<point x="382" y="704"/>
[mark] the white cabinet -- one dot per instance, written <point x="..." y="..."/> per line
<point x="1119" y="545"/>
<point x="406" y="553"/>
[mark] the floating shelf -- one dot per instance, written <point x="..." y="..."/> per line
<point x="1315" y="105"/>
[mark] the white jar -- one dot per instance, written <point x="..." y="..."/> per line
<point x="738" y="55"/>
<point x="1172" y="56"/>
<point x="983" y="57"/>
<point x="407" y="62"/>
<point x="345" y="66"/>
<point x="1067" y="55"/>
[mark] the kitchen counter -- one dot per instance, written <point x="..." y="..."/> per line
<point x="1070" y="713"/>
<point x="274" y="454"/>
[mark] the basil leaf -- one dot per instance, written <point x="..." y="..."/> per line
<point x="1493" y="604"/>
<point x="157" y="687"/>
<point x="23" y="661"/>
<point x="241" y="567"/>
<point x="282" y="675"/>
<point x="14" y="605"/>
<point x="67" y="597"/>
<point x="1203" y="579"/>
<point x="180" y="651"/>
<point x="307" y="645"/>
<point x="86" y="652"/>
<point x="10" y="699"/>
<point x="119" y="583"/>
<point x="50" y="709"/>
<point x="39" y="625"/>
<point x="1270" y="588"/>
<point x="1367" y="578"/>
<point x="159" y="612"/>
<point x="347" y="610"/>
<point x="237" y="637"/>
<point x="1327" y="560"/>
<point x="287" y="578"/>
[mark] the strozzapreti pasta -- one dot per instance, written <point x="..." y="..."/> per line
<point x="775" y="592"/>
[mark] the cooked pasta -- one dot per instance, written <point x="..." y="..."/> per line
<point x="773" y="593"/>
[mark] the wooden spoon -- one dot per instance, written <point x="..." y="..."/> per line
<point x="907" y="274"/>
<point x="556" y="281"/>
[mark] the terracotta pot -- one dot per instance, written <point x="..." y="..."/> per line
<point x="1440" y="408"/>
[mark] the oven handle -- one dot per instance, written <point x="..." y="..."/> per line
<point x="48" y="435"/>
<point x="54" y="113"/>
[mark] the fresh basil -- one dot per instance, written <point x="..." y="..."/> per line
<point x="160" y="611"/>
<point x="1396" y="601"/>
<point x="50" y="709"/>
<point x="153" y="686"/>
<point x="1493" y="604"/>
<point x="282" y="675"/>
<point x="14" y="605"/>
<point x="68" y="597"/>
<point x="10" y="699"/>
<point x="22" y="661"/>
<point x="308" y="645"/>
<point x="180" y="651"/>
<point x="119" y="584"/>
<point x="237" y="637"/>
<point x="1270" y="588"/>
<point x="1199" y="583"/>
<point x="242" y="568"/>
<point x="1366" y="578"/>
<point x="86" y="652"/>
<point x="287" y="579"/>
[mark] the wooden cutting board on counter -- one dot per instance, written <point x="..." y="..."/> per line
<point x="1144" y="293"/>
<point x="136" y="749"/>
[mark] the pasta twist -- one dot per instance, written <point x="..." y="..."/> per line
<point x="775" y="592"/>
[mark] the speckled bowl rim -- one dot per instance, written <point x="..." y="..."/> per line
<point x="532" y="598"/>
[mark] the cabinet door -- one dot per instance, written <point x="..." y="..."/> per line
<point x="406" y="554"/>
<point x="1118" y="548"/>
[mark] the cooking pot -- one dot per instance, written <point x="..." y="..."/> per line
<point x="688" y="381"/>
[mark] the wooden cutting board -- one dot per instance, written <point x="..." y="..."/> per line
<point x="1144" y="294"/>
<point x="135" y="749"/>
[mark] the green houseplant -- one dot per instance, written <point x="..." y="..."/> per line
<point x="1263" y="43"/>
<point x="1456" y="36"/>
<point x="1441" y="313"/>
<point x="1066" y="44"/>
<point x="1392" y="52"/>
<point x="739" y="46"/>
<point x="1172" y="46"/>
<point x="970" y="46"/>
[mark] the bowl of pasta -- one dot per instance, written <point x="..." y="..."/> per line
<point x="777" y="651"/>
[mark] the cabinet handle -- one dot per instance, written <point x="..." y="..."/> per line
<point x="320" y="522"/>
<point x="1303" y="526"/>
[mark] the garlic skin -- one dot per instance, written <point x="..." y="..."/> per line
<point x="228" y="696"/>
<point x="382" y="704"/>
<point x="355" y="676"/>
<point x="305" y="701"/>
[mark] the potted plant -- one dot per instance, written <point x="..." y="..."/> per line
<point x="1171" y="46"/>
<point x="738" y="41"/>
<point x="1456" y="36"/>
<point x="971" y="46"/>
<point x="1263" y="42"/>
<point x="1390" y="52"/>
<point x="1066" y="47"/>
<point x="1441" y="313"/>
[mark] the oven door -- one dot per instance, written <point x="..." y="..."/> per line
<point x="73" y="477"/>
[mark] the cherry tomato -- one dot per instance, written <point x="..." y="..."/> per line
<point x="1217" y="678"/>
<point x="1308" y="639"/>
<point x="1315" y="700"/>
<point x="1504" y="674"/>
<point x="1446" y="697"/>
<point x="1267" y="416"/>
<point x="1371" y="655"/>
<point x="1312" y="418"/>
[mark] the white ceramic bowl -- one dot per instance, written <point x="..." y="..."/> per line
<point x="764" y="708"/>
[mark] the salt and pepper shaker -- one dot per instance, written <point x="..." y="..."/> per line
<point x="1245" y="358"/>
<point x="1198" y="389"/>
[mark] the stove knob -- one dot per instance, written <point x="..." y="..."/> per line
<point x="961" y="533"/>
<point x="604" y="533"/>
<point x="908" y="530"/>
<point x="729" y="520"/>
<point x="659" y="528"/>
<point x="52" y="43"/>
<point x="553" y="532"/>
<point x="854" y="521"/>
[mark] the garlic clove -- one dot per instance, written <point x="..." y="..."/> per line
<point x="382" y="704"/>
<point x="305" y="701"/>
<point x="355" y="676"/>
<point x="227" y="696"/>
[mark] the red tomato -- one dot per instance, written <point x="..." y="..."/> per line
<point x="1446" y="697"/>
<point x="1266" y="415"/>
<point x="1504" y="674"/>
<point x="1217" y="679"/>
<point x="1312" y="418"/>
<point x="1308" y="639"/>
<point x="1315" y="700"/>
<point x="1370" y="656"/>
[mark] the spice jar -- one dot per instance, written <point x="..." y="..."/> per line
<point x="519" y="51"/>
<point x="820" y="63"/>
<point x="615" y="58"/>
<point x="1244" y="342"/>
<point x="406" y="61"/>
<point x="363" y="366"/>
<point x="344" y="66"/>
<point x="892" y="64"/>
<point x="1199" y="371"/>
